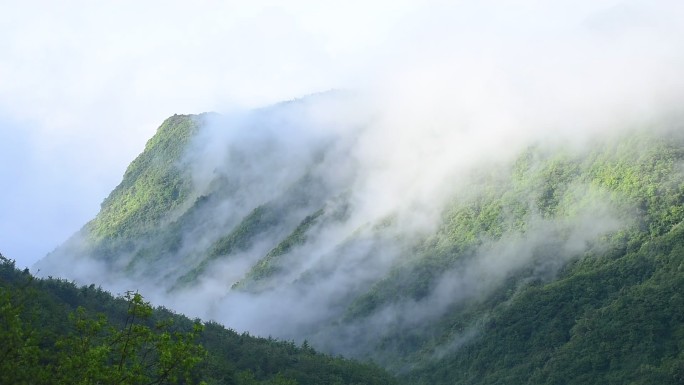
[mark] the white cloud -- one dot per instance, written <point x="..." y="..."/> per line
<point x="86" y="83"/>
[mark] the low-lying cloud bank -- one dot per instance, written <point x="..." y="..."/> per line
<point x="465" y="89"/>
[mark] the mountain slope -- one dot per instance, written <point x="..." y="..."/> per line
<point x="616" y="323"/>
<point x="45" y="321"/>
<point x="514" y="269"/>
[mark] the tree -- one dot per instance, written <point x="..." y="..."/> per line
<point x="88" y="349"/>
<point x="19" y="350"/>
<point x="98" y="353"/>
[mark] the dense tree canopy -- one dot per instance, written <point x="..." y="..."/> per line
<point x="585" y="248"/>
<point x="55" y="332"/>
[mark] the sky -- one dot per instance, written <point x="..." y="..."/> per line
<point x="83" y="85"/>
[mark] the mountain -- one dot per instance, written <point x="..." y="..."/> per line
<point x="56" y="332"/>
<point x="542" y="260"/>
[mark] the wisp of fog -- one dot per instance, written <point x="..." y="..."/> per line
<point x="461" y="91"/>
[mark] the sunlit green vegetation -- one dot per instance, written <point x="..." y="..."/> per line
<point x="55" y="332"/>
<point x="153" y="184"/>
<point x="610" y="314"/>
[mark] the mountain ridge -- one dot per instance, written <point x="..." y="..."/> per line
<point x="44" y="335"/>
<point x="289" y="245"/>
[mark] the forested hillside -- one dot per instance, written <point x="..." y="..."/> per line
<point x="56" y="332"/>
<point x="610" y="318"/>
<point x="558" y="263"/>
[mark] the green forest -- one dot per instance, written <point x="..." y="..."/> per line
<point x="612" y="315"/>
<point x="54" y="332"/>
<point x="570" y="261"/>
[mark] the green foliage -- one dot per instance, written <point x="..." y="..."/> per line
<point x="617" y="323"/>
<point x="241" y="238"/>
<point x="611" y="315"/>
<point x="263" y="360"/>
<point x="19" y="350"/>
<point x="98" y="353"/>
<point x="264" y="222"/>
<point x="523" y="326"/>
<point x="270" y="265"/>
<point x="42" y="345"/>
<point x="152" y="186"/>
<point x="55" y="332"/>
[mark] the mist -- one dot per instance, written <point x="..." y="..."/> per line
<point x="458" y="92"/>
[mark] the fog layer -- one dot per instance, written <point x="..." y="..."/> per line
<point x="321" y="202"/>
